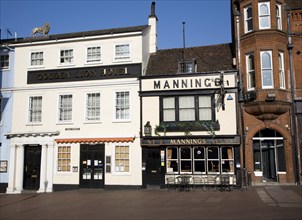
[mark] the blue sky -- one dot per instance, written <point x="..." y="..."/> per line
<point x="207" y="21"/>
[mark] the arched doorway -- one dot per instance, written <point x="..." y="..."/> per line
<point x="269" y="159"/>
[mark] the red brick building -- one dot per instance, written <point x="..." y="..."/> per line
<point x="267" y="42"/>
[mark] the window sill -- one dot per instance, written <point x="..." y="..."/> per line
<point x="64" y="123"/>
<point x="34" y="124"/>
<point x="36" y="67"/>
<point x="92" y="122"/>
<point x="122" y="121"/>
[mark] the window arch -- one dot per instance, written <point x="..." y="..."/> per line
<point x="264" y="15"/>
<point x="248" y="19"/>
<point x="266" y="70"/>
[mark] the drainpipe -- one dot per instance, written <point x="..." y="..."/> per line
<point x="293" y="104"/>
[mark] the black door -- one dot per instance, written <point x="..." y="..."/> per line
<point x="92" y="166"/>
<point x="32" y="166"/>
<point x="154" y="172"/>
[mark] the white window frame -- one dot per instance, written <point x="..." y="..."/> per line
<point x="267" y="69"/>
<point x="262" y="16"/>
<point x="230" y="160"/>
<point x="1" y="104"/>
<point x="181" y="171"/>
<point x="121" y="58"/>
<point x="93" y="60"/>
<point x="247" y="19"/>
<point x="250" y="71"/>
<point x="3" y="61"/>
<point x="203" y="160"/>
<point x="59" y="109"/>
<point x="30" y="99"/>
<point x="87" y="120"/>
<point x="67" y="57"/>
<point x="118" y="169"/>
<point x="70" y="164"/>
<point x="115" y="107"/>
<point x="218" y="159"/>
<point x="39" y="59"/>
<point x="281" y="70"/>
<point x="279" y="16"/>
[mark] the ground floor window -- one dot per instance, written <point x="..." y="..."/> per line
<point x="200" y="159"/>
<point x="64" y="158"/>
<point x="122" y="159"/>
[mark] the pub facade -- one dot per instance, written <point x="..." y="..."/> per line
<point x="189" y="115"/>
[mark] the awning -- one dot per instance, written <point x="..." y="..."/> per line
<point x="95" y="140"/>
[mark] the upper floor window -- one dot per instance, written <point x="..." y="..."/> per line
<point x="66" y="56"/>
<point x="281" y="70"/>
<point x="122" y="51"/>
<point x="65" y="108"/>
<point x="264" y="15"/>
<point x="187" y="66"/>
<point x="187" y="108"/>
<point x="36" y="59"/>
<point x="250" y="69"/>
<point x="266" y="69"/>
<point x="0" y="110"/>
<point x="35" y="109"/>
<point x="279" y="17"/>
<point x="4" y="61"/>
<point x="248" y="19"/>
<point x="93" y="54"/>
<point x="93" y="107"/>
<point x="122" y="105"/>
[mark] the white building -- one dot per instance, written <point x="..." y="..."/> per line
<point x="75" y="119"/>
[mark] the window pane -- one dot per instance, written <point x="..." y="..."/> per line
<point x="93" y="106"/>
<point x="122" y="106"/>
<point x="35" y="109"/>
<point x="213" y="153"/>
<point x="267" y="79"/>
<point x="169" y="109"/>
<point x="199" y="153"/>
<point x="65" y="108"/>
<point x="266" y="61"/>
<point x="205" y="111"/>
<point x="185" y="153"/>
<point x="186" y="108"/>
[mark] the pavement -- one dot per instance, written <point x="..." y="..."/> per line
<point x="255" y="203"/>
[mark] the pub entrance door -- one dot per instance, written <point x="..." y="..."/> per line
<point x="92" y="166"/>
<point x="32" y="166"/>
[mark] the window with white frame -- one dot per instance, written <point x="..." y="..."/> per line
<point x="250" y="69"/>
<point x="187" y="66"/>
<point x="36" y="59"/>
<point x="227" y="159"/>
<point x="213" y="160"/>
<point x="64" y="158"/>
<point x="279" y="17"/>
<point x="122" y="52"/>
<point x="35" y="109"/>
<point x="122" y="159"/>
<point x="65" y="108"/>
<point x="172" y="159"/>
<point x="264" y="15"/>
<point x="199" y="165"/>
<point x="4" y="61"/>
<point x="122" y="105"/>
<point x="266" y="69"/>
<point x="281" y="70"/>
<point x="248" y="19"/>
<point x="66" y="56"/>
<point x="1" y="110"/>
<point x="185" y="159"/>
<point x="93" y="109"/>
<point x="93" y="54"/>
<point x="187" y="108"/>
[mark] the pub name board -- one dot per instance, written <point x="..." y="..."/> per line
<point x="82" y="74"/>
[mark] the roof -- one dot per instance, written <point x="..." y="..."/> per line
<point x="77" y="34"/>
<point x="211" y="58"/>
<point x="95" y="140"/>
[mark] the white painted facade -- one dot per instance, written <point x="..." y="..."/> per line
<point x="50" y="129"/>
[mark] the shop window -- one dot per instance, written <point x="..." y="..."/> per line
<point x="213" y="160"/>
<point x="264" y="15"/>
<point x="35" y="109"/>
<point x="185" y="160"/>
<point x="122" y="105"/>
<point x="248" y="18"/>
<point x="122" y="159"/>
<point x="93" y="107"/>
<point x="250" y="68"/>
<point x="93" y="54"/>
<point x="267" y="70"/>
<point x="64" y="159"/>
<point x="4" y="61"/>
<point x="199" y="160"/>
<point x="172" y="159"/>
<point x="36" y="59"/>
<point x="227" y="159"/>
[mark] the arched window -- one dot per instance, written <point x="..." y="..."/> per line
<point x="264" y="15"/>
<point x="278" y="15"/>
<point x="248" y="18"/>
<point x="250" y="69"/>
<point x="266" y="70"/>
<point x="281" y="70"/>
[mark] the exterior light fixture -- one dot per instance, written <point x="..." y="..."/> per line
<point x="148" y="129"/>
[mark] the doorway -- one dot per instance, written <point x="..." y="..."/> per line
<point x="269" y="154"/>
<point x="92" y="166"/>
<point x="32" y="167"/>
